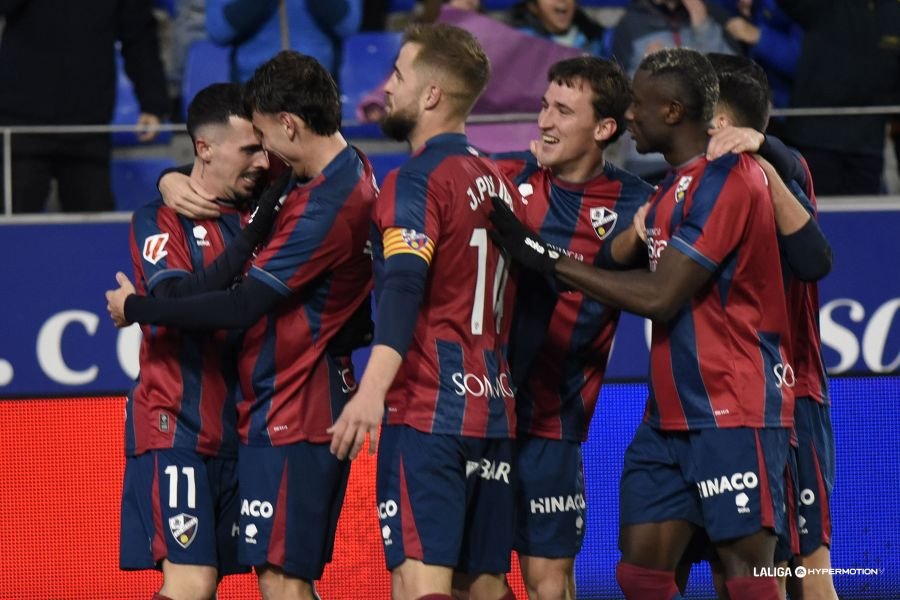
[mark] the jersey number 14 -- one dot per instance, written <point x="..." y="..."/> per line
<point x="479" y="240"/>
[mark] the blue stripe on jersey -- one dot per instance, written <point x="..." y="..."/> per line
<point x="497" y="425"/>
<point x="562" y="216"/>
<point x="377" y="260"/>
<point x="163" y="275"/>
<point x="191" y="362"/>
<point x="412" y="185"/>
<point x="230" y="226"/>
<point x="231" y="351"/>
<point x="725" y="277"/>
<point x="270" y="280"/>
<point x="193" y="248"/>
<point x="314" y="305"/>
<point x="263" y="386"/>
<point x="799" y="193"/>
<point x="664" y="185"/>
<point x="337" y="396"/>
<point x="450" y="406"/>
<point x="694" y="398"/>
<point x="590" y="320"/>
<point x="530" y="165"/>
<point x="769" y="344"/>
<point x="685" y="248"/>
<point x="705" y="196"/>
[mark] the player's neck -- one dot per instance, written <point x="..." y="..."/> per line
<point x="584" y="170"/>
<point x="427" y="128"/>
<point x="315" y="156"/>
<point x="688" y="144"/>
<point x="200" y="174"/>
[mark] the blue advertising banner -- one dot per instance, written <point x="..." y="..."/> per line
<point x="58" y="340"/>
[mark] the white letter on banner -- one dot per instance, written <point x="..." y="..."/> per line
<point x="49" y="347"/>
<point x="875" y="337"/>
<point x="839" y="338"/>
<point x="128" y="350"/>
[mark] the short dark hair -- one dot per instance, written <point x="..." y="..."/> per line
<point x="456" y="53"/>
<point x="743" y="89"/>
<point x="692" y="73"/>
<point x="215" y="104"/>
<point x="612" y="91"/>
<point x="298" y="84"/>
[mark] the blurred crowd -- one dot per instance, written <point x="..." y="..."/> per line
<point x="58" y="67"/>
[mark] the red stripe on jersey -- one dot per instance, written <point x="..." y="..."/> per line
<point x="766" y="510"/>
<point x="158" y="543"/>
<point x="824" y="505"/>
<point x="276" y="550"/>
<point x="412" y="543"/>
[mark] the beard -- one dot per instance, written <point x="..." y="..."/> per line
<point x="398" y="126"/>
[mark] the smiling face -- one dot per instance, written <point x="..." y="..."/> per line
<point x="570" y="131"/>
<point x="402" y="95"/>
<point x="555" y="15"/>
<point x="234" y="158"/>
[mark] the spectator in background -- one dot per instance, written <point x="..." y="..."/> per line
<point x="427" y="11"/>
<point x="770" y="38"/>
<point x="560" y="21"/>
<point x="850" y="57"/>
<point x="58" y="67"/>
<point x="188" y="26"/>
<point x="258" y="29"/>
<point x="651" y="25"/>
<point x="515" y="57"/>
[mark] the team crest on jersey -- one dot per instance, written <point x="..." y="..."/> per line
<point x="603" y="220"/>
<point x="682" y="187"/>
<point x="164" y="422"/>
<point x="200" y="234"/>
<point x="183" y="528"/>
<point x="413" y="239"/>
<point x="155" y="248"/>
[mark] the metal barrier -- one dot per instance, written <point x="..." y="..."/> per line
<point x="8" y="132"/>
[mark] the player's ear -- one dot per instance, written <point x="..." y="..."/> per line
<point x="605" y="129"/>
<point x="203" y="149"/>
<point x="433" y="95"/>
<point x="287" y="122"/>
<point x="674" y="112"/>
<point x="720" y="121"/>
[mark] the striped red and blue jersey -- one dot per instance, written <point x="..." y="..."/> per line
<point x="317" y="260"/>
<point x="721" y="361"/>
<point x="454" y="378"/>
<point x="563" y="354"/>
<point x="803" y="313"/>
<point x="187" y="389"/>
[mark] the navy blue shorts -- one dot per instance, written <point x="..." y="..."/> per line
<point x="445" y="500"/>
<point x="788" y="544"/>
<point x="291" y="499"/>
<point x="550" y="507"/>
<point x="815" y="473"/>
<point x="181" y="506"/>
<point x="728" y="481"/>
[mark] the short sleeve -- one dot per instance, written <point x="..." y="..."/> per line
<point x="716" y="220"/>
<point x="160" y="250"/>
<point x="303" y="246"/>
